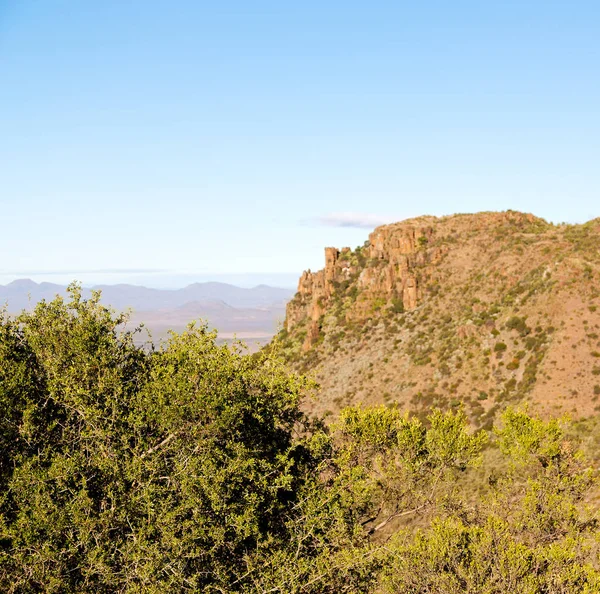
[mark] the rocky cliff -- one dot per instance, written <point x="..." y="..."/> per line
<point x="473" y="310"/>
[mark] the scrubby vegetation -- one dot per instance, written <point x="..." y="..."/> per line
<point x="498" y="303"/>
<point x="190" y="468"/>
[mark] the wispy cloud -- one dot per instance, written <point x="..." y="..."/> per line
<point x="358" y="220"/>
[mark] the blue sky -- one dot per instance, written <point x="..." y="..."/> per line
<point x="166" y="142"/>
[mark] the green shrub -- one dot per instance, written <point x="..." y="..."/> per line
<point x="397" y="306"/>
<point x="518" y="324"/>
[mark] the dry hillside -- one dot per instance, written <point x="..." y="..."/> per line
<point x="480" y="309"/>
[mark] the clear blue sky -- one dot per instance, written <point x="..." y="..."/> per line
<point x="164" y="142"/>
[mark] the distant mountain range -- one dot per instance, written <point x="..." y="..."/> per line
<point x="252" y="314"/>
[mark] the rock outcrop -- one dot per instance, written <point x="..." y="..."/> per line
<point x="385" y="270"/>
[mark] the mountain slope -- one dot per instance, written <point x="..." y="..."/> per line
<point x="479" y="309"/>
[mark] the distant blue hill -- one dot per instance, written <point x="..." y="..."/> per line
<point x="252" y="314"/>
<point x="24" y="293"/>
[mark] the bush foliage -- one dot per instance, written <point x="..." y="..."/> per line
<point x="190" y="468"/>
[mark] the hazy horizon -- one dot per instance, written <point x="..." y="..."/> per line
<point x="172" y="279"/>
<point x="153" y="280"/>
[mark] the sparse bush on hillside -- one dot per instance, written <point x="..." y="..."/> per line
<point x="518" y="324"/>
<point x="585" y="239"/>
<point x="397" y="305"/>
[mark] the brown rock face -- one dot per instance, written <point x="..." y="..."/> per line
<point x="314" y="291"/>
<point x="384" y="271"/>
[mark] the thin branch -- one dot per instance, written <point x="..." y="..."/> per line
<point x="164" y="442"/>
